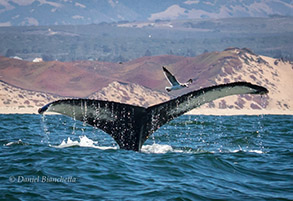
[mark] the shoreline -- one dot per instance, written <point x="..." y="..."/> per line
<point x="234" y="112"/>
<point x="199" y="111"/>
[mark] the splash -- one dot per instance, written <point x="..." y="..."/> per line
<point x="83" y="142"/>
<point x="19" y="142"/>
<point x="158" y="149"/>
<point x="250" y="151"/>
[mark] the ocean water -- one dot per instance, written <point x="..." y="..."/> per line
<point x="191" y="158"/>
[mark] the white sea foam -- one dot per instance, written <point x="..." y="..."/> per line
<point x="250" y="151"/>
<point x="256" y="151"/>
<point x="158" y="149"/>
<point x="19" y="142"/>
<point x="83" y="142"/>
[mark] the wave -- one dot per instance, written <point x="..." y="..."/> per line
<point x="19" y="142"/>
<point x="155" y="148"/>
<point x="164" y="148"/>
<point x="83" y="142"/>
<point x="250" y="151"/>
<point x="158" y="149"/>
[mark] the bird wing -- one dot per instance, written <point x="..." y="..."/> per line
<point x="171" y="78"/>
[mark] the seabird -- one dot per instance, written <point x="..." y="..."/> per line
<point x="175" y="85"/>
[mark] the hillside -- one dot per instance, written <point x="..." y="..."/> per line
<point x="78" y="79"/>
<point x="274" y="74"/>
<point x="19" y="100"/>
<point x="36" y="12"/>
<point x="130" y="93"/>
<point x="82" y="78"/>
<point x="142" y="82"/>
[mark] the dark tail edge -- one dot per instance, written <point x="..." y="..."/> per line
<point x="43" y="109"/>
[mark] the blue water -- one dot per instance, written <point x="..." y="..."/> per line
<point x="191" y="158"/>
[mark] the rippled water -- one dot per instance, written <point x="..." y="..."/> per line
<point x="191" y="158"/>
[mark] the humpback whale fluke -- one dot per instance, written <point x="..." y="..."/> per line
<point x="175" y="85"/>
<point x="130" y="125"/>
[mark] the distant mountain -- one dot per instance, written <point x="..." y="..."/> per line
<point x="122" y="42"/>
<point x="141" y="81"/>
<point x="60" y="12"/>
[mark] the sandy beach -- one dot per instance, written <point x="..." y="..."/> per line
<point x="16" y="110"/>
<point x="229" y="112"/>
<point x="199" y="111"/>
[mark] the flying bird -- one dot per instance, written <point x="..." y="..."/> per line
<point x="175" y="85"/>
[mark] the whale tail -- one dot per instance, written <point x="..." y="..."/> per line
<point x="130" y="125"/>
